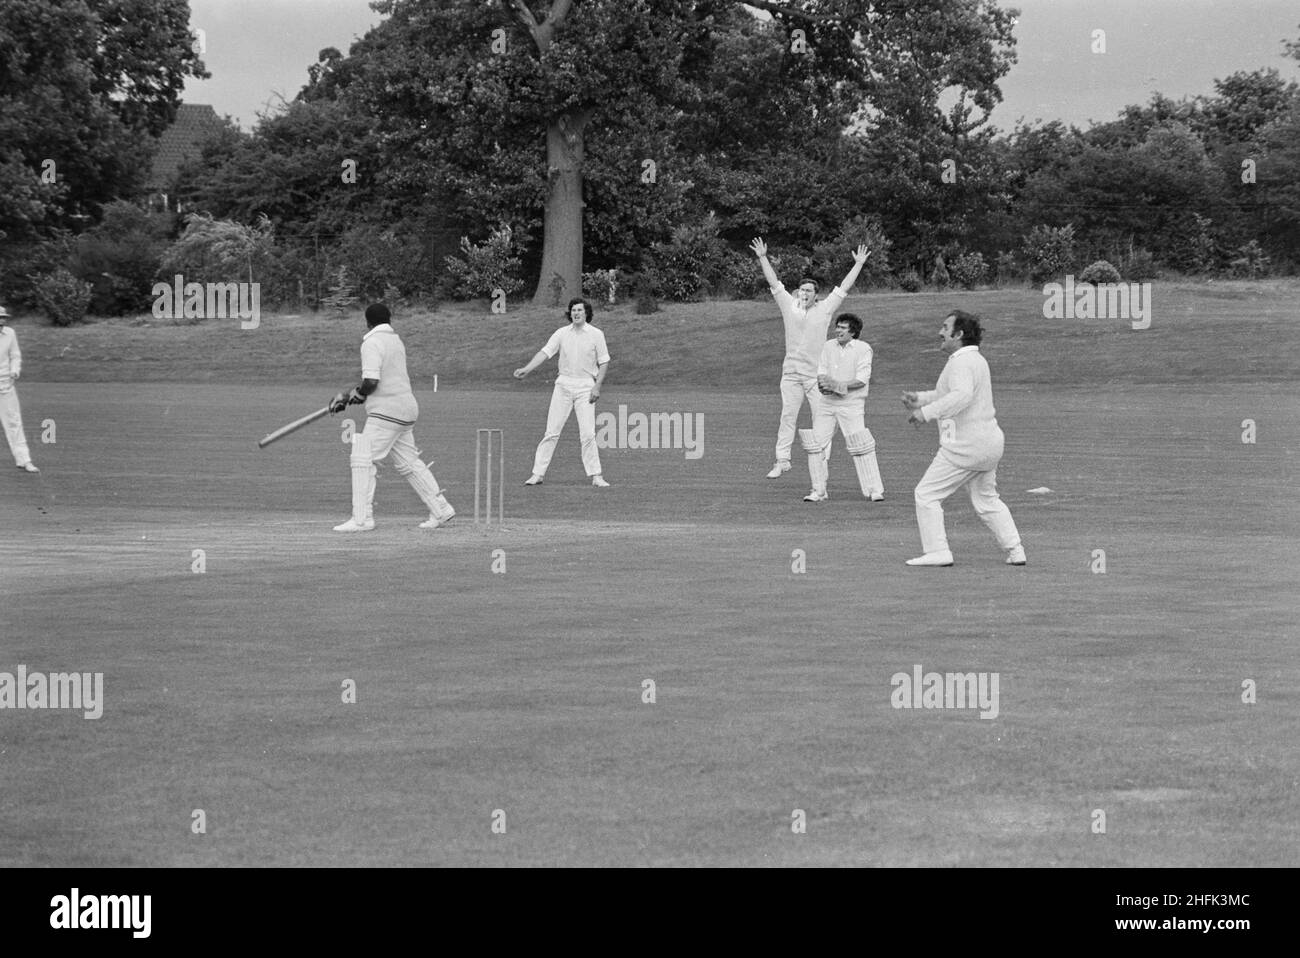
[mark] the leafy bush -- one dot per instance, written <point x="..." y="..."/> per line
<point x="910" y="281"/>
<point x="830" y="261"/>
<point x="22" y="265"/>
<point x="219" y="251"/>
<point x="939" y="276"/>
<point x="646" y="287"/>
<point x="692" y="262"/>
<point x="601" y="285"/>
<point x="1049" y="251"/>
<point x="742" y="277"/>
<point x="1139" y="265"/>
<point x="969" y="270"/>
<point x="482" y="268"/>
<point x="62" y="297"/>
<point x="1251" y="261"/>
<point x="1100" y="272"/>
<point x="120" y="258"/>
<point x="1008" y="267"/>
<point x="378" y="258"/>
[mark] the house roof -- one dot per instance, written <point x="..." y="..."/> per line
<point x="194" y="123"/>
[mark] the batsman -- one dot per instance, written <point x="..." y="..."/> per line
<point x="391" y="411"/>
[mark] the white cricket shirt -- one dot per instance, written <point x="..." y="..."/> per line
<point x="582" y="351"/>
<point x="847" y="363"/>
<point x="805" y="329"/>
<point x="383" y="357"/>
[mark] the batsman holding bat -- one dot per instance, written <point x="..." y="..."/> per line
<point x="391" y="411"/>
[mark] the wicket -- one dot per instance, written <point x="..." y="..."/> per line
<point x="479" y="471"/>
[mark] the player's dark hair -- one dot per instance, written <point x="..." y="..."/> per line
<point x="968" y="324"/>
<point x="809" y="281"/>
<point x="586" y="305"/>
<point x="855" y="324"/>
<point x="377" y="314"/>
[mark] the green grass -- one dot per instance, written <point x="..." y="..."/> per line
<point x="1200" y="332"/>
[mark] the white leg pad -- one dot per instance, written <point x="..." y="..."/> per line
<point x="426" y="487"/>
<point x="363" y="478"/>
<point x="817" y="470"/>
<point x="862" y="446"/>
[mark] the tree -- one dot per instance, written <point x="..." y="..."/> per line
<point x="82" y="90"/>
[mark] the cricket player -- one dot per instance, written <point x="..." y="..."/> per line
<point x="970" y="445"/>
<point x="584" y="360"/>
<point x="805" y="321"/>
<point x="11" y="366"/>
<point x="843" y="377"/>
<point x="391" y="411"/>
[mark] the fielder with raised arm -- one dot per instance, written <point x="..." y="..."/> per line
<point x="843" y="377"/>
<point x="391" y="411"/>
<point x="806" y="321"/>
<point x="970" y="445"/>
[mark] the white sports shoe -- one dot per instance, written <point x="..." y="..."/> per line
<point x="599" y="482"/>
<point x="782" y="466"/>
<point x="816" y="496"/>
<point x="1016" y="556"/>
<point x="433" y="521"/>
<point x="353" y="526"/>
<point x="933" y="558"/>
<point x="29" y="467"/>
<point x="533" y="480"/>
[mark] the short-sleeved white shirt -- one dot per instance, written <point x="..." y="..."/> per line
<point x="582" y="351"/>
<point x="847" y="363"/>
<point x="383" y="357"/>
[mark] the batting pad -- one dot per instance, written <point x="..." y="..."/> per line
<point x="363" y="478"/>
<point x="426" y="486"/>
<point x="810" y="444"/>
<point x="863" y="447"/>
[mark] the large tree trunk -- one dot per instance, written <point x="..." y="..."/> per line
<point x="561" y="276"/>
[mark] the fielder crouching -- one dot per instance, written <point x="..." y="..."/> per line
<point x="391" y="411"/>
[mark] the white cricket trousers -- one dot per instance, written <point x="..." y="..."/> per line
<point x="794" y="390"/>
<point x="377" y="441"/>
<point x="571" y="394"/>
<point x="12" y="417"/>
<point x="941" y="480"/>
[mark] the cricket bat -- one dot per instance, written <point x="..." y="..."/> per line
<point x="292" y="427"/>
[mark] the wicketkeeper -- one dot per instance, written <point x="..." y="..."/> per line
<point x="843" y="378"/>
<point x="391" y="411"/>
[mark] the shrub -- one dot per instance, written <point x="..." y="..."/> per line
<point x="969" y="270"/>
<point x="120" y="258"/>
<point x="1251" y="261"/>
<point x="830" y="261"/>
<point x="1008" y="267"/>
<point x="1100" y="272"/>
<point x="379" y="258"/>
<point x="219" y="251"/>
<point x="646" y="287"/>
<point x="742" y="277"/>
<point x="601" y="285"/>
<point x="1049" y="251"/>
<point x="485" y="267"/>
<point x="342" y="292"/>
<point x="910" y="281"/>
<point x="940" y="277"/>
<point x="692" y="261"/>
<point x="22" y="265"/>
<point x="62" y="297"/>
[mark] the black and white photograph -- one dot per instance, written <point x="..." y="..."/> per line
<point x="650" y="434"/>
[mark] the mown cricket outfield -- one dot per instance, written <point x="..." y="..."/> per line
<point x="386" y="698"/>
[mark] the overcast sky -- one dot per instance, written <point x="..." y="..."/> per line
<point x="259" y="50"/>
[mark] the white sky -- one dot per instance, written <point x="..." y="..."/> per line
<point x="259" y="50"/>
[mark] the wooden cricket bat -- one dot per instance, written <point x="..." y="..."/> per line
<point x="292" y="427"/>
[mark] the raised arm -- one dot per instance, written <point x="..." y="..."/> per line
<point x="860" y="257"/>
<point x="760" y="250"/>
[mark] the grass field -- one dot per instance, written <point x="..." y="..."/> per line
<point x="522" y="691"/>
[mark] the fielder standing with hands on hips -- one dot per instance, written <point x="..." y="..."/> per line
<point x="11" y="366"/>
<point x="970" y="445"/>
<point x="391" y="411"/>
<point x="584" y="359"/>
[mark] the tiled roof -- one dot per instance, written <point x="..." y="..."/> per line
<point x="194" y="123"/>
